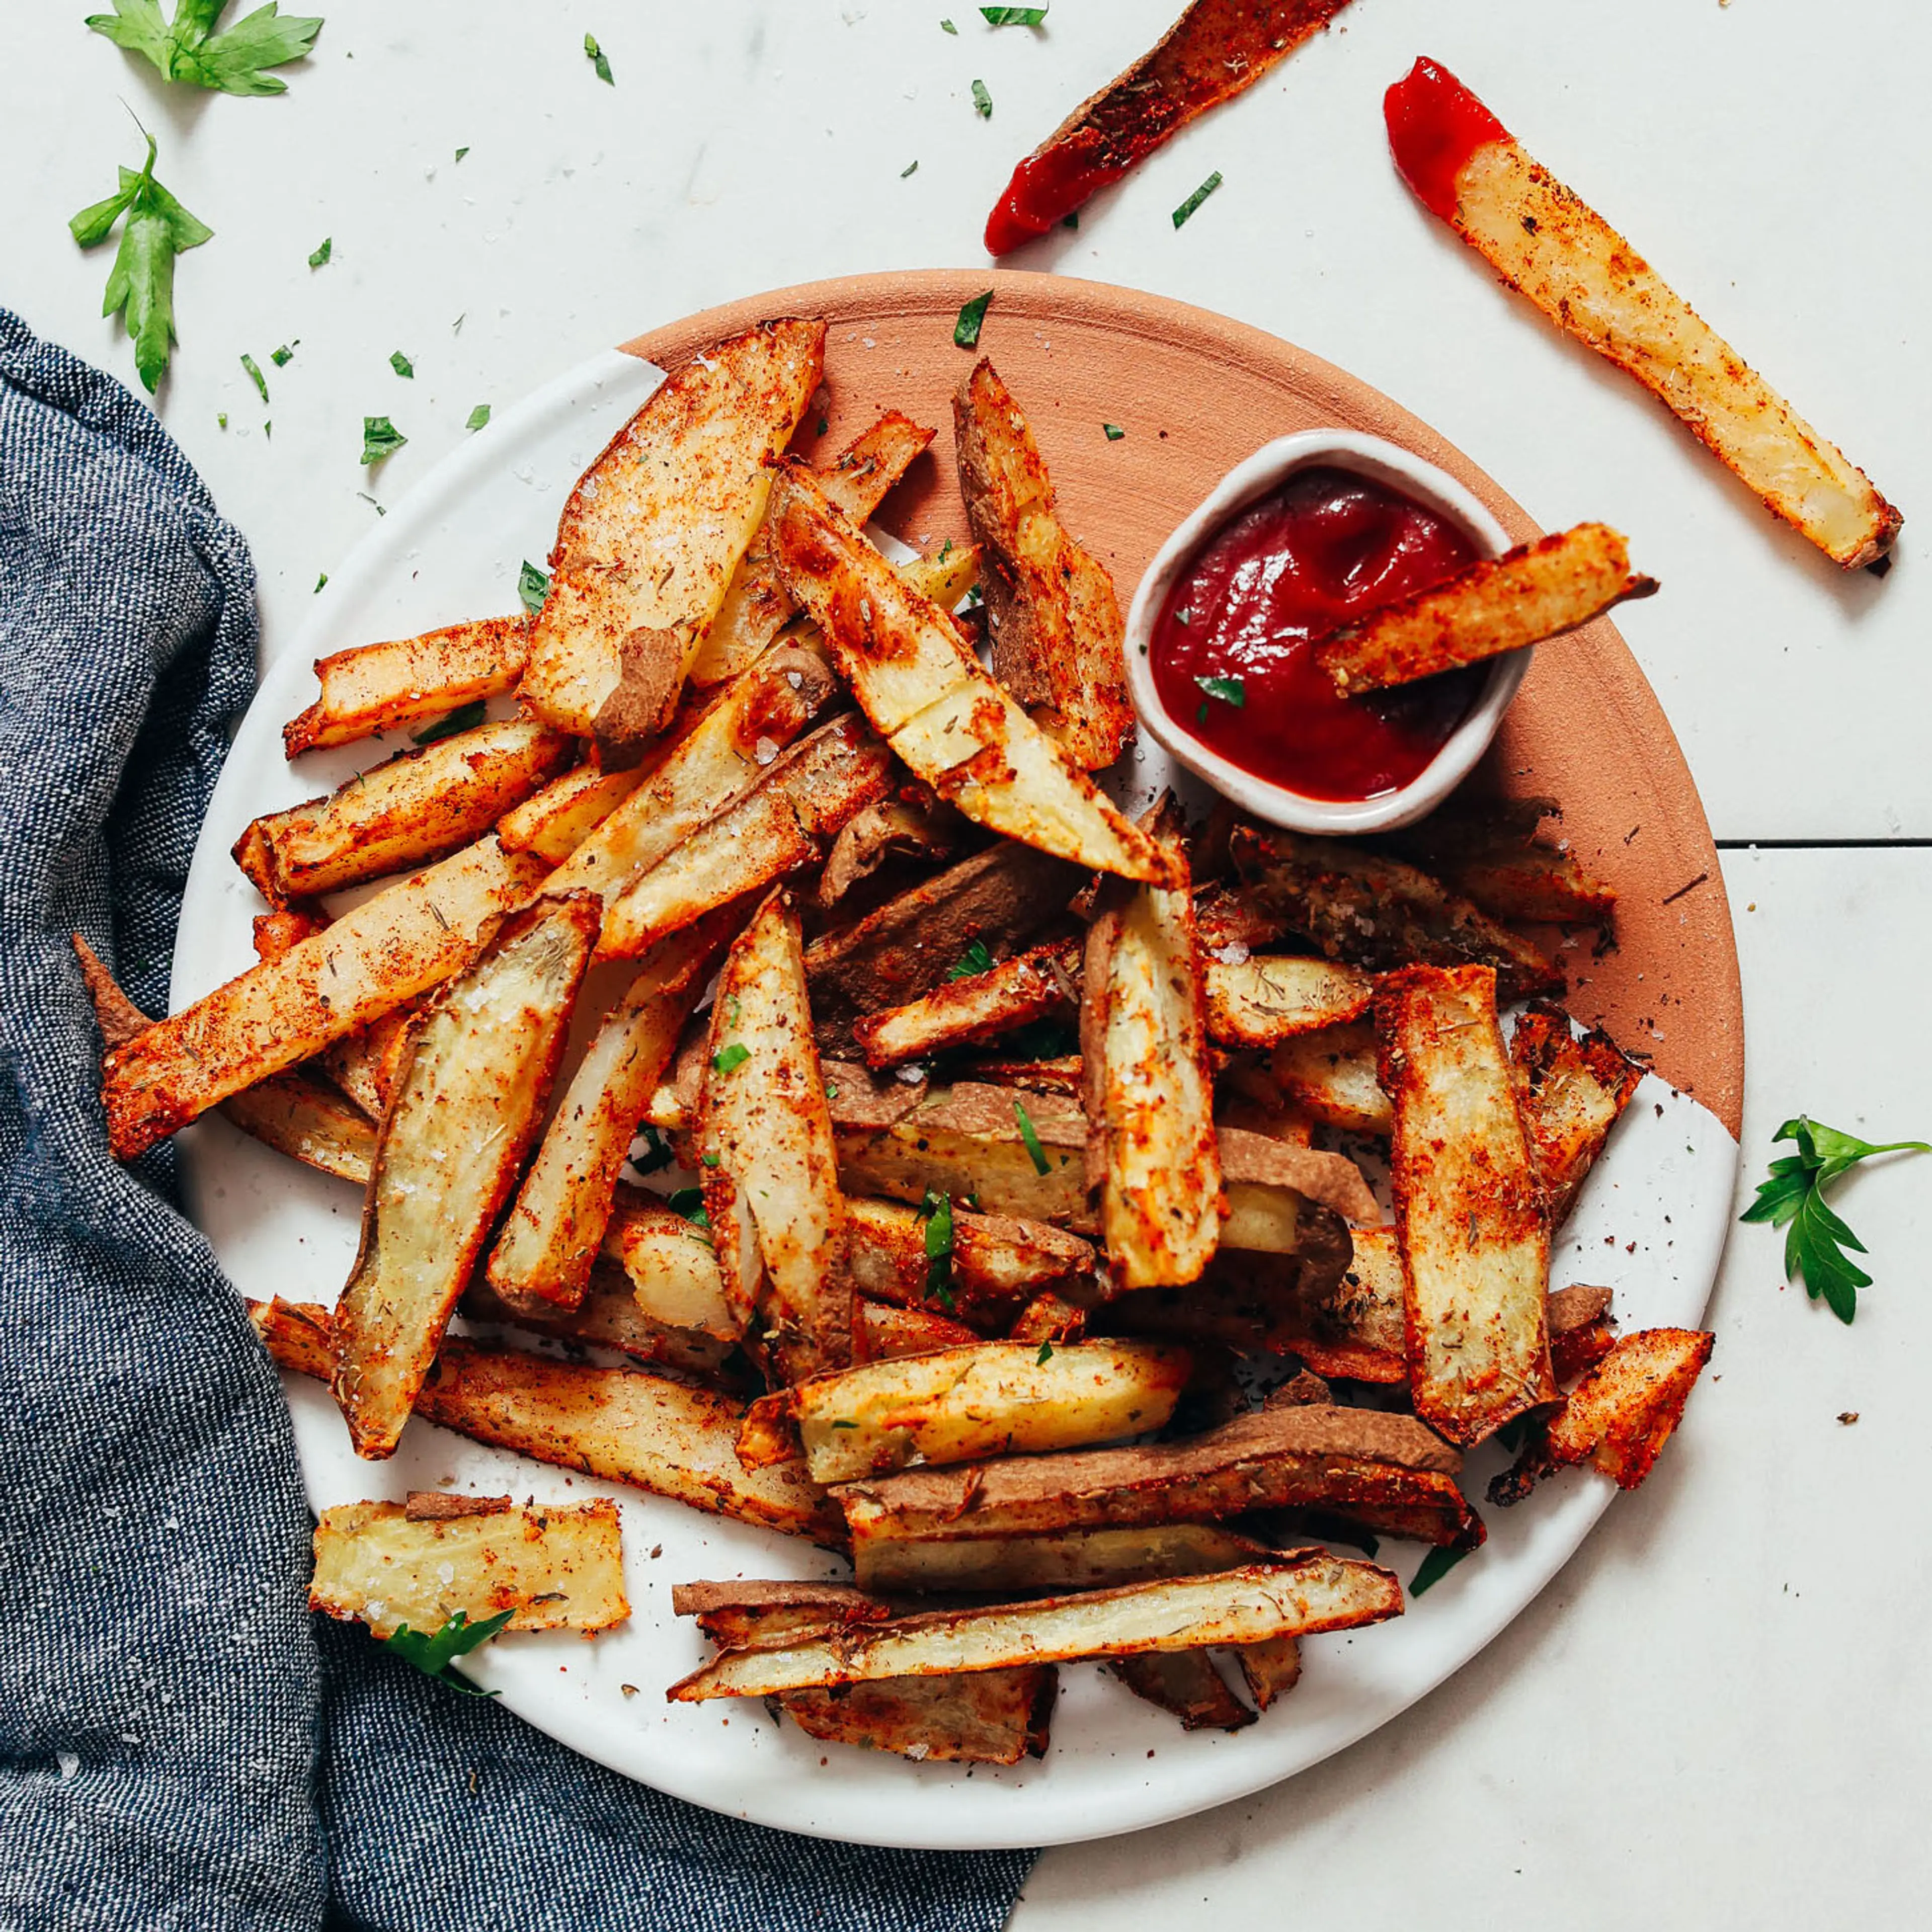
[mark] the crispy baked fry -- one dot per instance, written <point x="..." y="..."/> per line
<point x="670" y="1262"/>
<point x="652" y="533"/>
<point x="925" y="692"/>
<point x="558" y="1567"/>
<point x="1261" y="1001"/>
<point x="1331" y="1076"/>
<point x="389" y="687"/>
<point x="1534" y="591"/>
<point x="367" y="1064"/>
<point x="977" y="1007"/>
<point x="1475" y="1247"/>
<point x="1045" y="1563"/>
<point x="1572" y="1092"/>
<point x="411" y="936"/>
<point x="1270" y="1669"/>
<point x="1186" y="1684"/>
<point x="1487" y="850"/>
<point x="1547" y="244"/>
<point x="447" y="1155"/>
<point x="918" y="827"/>
<point x="886" y="1332"/>
<point x="996" y="1262"/>
<point x="1057" y="629"/>
<point x="553" y="822"/>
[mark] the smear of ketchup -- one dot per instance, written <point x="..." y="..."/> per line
<point x="1434" y="124"/>
<point x="1047" y="186"/>
<point x="1327" y="546"/>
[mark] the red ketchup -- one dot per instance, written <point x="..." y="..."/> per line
<point x="1434" y="124"/>
<point x="1046" y="187"/>
<point x="1327" y="546"/>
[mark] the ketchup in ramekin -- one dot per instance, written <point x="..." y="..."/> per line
<point x="1231" y="651"/>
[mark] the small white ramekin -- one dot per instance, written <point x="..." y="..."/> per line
<point x="1260" y="475"/>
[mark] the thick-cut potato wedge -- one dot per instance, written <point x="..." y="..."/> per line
<point x="553" y="822"/>
<point x="368" y="1064"/>
<point x="988" y="1399"/>
<point x="388" y="687"/>
<point x="757" y="605"/>
<point x="410" y="936"/>
<point x="997" y="1261"/>
<point x="1058" y="636"/>
<point x="1186" y="1684"/>
<point x="1215" y="49"/>
<point x="672" y="1266"/>
<point x="419" y="806"/>
<point x="559" y="1567"/>
<point x="1270" y="1669"/>
<point x="925" y="693"/>
<point x="886" y="1332"/>
<point x="770" y="1178"/>
<point x="1475" y="1246"/>
<point x="553" y="1231"/>
<point x="1373" y="911"/>
<point x="1534" y="591"/>
<point x="1583" y="1330"/>
<point x="448" y="1156"/>
<point x="1354" y="1463"/>
<point x="620" y="1425"/>
<point x="1486" y="850"/>
<point x="1262" y="1001"/>
<point x="1546" y="244"/>
<point x="980" y="1007"/>
<point x="1057" y="1315"/>
<point x="653" y="532"/>
<point x="1044" y="1563"/>
<point x="809" y="794"/>
<point x="1572" y="1091"/>
<point x="1331" y="1076"/>
<point x="918" y="827"/>
<point x="1308" y="1593"/>
<point x="1060" y="1075"/>
<point x="1619" y="1416"/>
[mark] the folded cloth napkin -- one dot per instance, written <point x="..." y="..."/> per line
<point x="180" y="1743"/>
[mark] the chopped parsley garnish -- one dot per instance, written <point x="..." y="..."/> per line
<point x="1030" y="1137"/>
<point x="460" y="152"/>
<point x="709" y="1159"/>
<point x="1194" y="200"/>
<point x="479" y="417"/>
<point x="970" y="964"/>
<point x="726" y="1059"/>
<point x="380" y="438"/>
<point x="1793" y="1198"/>
<point x="689" y="1201"/>
<point x="657" y="1152"/>
<point x="1114" y="431"/>
<point x="844" y="1422"/>
<point x="403" y="366"/>
<point x="595" y="55"/>
<point x="937" y="1210"/>
<point x="464" y="718"/>
<point x="435" y="1656"/>
<point x="911" y="168"/>
<point x="1070" y="220"/>
<point x="321" y="256"/>
<point x="972" y="314"/>
<point x="532" y="586"/>
<point x="947" y="27"/>
<point x="221" y="419"/>
<point x="946" y="549"/>
<point x="189" y="50"/>
<point x="255" y="376"/>
<point x="1046" y="1355"/>
<point x="1436" y="1565"/>
<point x="1228" y="690"/>
<point x="982" y="101"/>
<point x="284" y="355"/>
<point x="319" y="583"/>
<point x="1013" y="16"/>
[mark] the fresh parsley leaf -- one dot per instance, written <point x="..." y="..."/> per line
<point x="657" y="1153"/>
<point x="434" y="1655"/>
<point x="283" y="356"/>
<point x="255" y="375"/>
<point x="479" y="417"/>
<point x="1194" y="200"/>
<point x="1046" y="1355"/>
<point x="1228" y="690"/>
<point x="911" y="168"/>
<point x="403" y="366"/>
<point x="594" y="55"/>
<point x="464" y="718"/>
<point x="982" y="101"/>
<point x="1013" y="16"/>
<point x="322" y="254"/>
<point x="1793" y="1198"/>
<point x="380" y="438"/>
<point x="1114" y="431"/>
<point x="532" y="586"/>
<point x="972" y="314"/>
<point x="189" y="49"/>
<point x="689" y="1201"/>
<point x="937" y="1210"/>
<point x="709" y="1159"/>
<point x="1436" y="1565"/>
<point x="1027" y="1134"/>
<point x="460" y="152"/>
<point x="319" y="583"/>
<point x="728" y="1059"/>
<point x="970" y="964"/>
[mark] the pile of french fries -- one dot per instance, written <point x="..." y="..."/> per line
<point x="960" y="1159"/>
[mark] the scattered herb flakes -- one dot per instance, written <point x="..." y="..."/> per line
<point x="1436" y="1565"/>
<point x="657" y="1153"/>
<point x="1114" y="431"/>
<point x="1013" y="16"/>
<point x="1194" y="200"/>
<point x="972" y="318"/>
<point x="1046" y="1355"/>
<point x="1036" y="1152"/>
<point x="532" y="586"/>
<point x="947" y="27"/>
<point x="1070" y="220"/>
<point x="372" y="502"/>
<point x="234" y="62"/>
<point x="255" y="376"/>
<point x="689" y="1201"/>
<point x="380" y="438"/>
<point x="970" y="964"/>
<point x="221" y="419"/>
<point x="282" y="357"/>
<point x="937" y="1210"/>
<point x="1201" y="715"/>
<point x="435" y="1656"/>
<point x="464" y="718"/>
<point x="843" y="1422"/>
<point x="1228" y="690"/>
<point x="1793" y="1198"/>
<point x="946" y="549"/>
<point x="479" y="417"/>
<point x="319" y="258"/>
<point x="911" y="168"/>
<point x="982" y="101"/>
<point x="727" y="1059"/>
<point x="319" y="583"/>
<point x="595" y="55"/>
<point x="268" y="429"/>
<point x="403" y="366"/>
<point x="460" y="152"/>
<point x="709" y="1159"/>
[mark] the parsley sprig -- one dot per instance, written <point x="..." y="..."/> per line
<point x="189" y="49"/>
<point x="937" y="1209"/>
<point x="1793" y="1198"/>
<point x="434" y="1655"/>
<point x="970" y="964"/>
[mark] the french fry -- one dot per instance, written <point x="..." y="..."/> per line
<point x="1056" y="1315"/>
<point x="756" y="606"/>
<point x="419" y="806"/>
<point x="1046" y="1563"/>
<point x="1572" y="1092"/>
<point x="553" y="822"/>
<point x="1261" y="1001"/>
<point x="411" y="936"/>
<point x="996" y="1262"/>
<point x="926" y="694"/>
<point x="1530" y="594"/>
<point x="1487" y="850"/>
<point x="555" y="1228"/>
<point x="619" y="1425"/>
<point x="1475" y="1246"/>
<point x="1619" y="1416"/>
<point x="1270" y="1669"/>
<point x="770" y="1179"/>
<point x="886" y="1332"/>
<point x="670" y="1263"/>
<point x="447" y="1155"/>
<point x="1308" y="1593"/>
<point x="390" y="687"/>
<point x="1330" y="1074"/>
<point x="1356" y="1464"/>
<point x="368" y="1064"/>
<point x="652" y="533"/>
<point x="976" y="1007"/>
<point x="1059" y="1076"/>
<point x="560" y="1566"/>
<point x="1582" y="1330"/>
<point x="1186" y="1684"/>
<point x="1058" y="636"/>
<point x="1373" y="911"/>
<point x="920" y="828"/>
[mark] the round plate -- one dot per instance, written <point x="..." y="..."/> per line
<point x="1195" y="393"/>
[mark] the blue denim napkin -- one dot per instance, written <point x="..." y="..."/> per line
<point x="180" y="1743"/>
